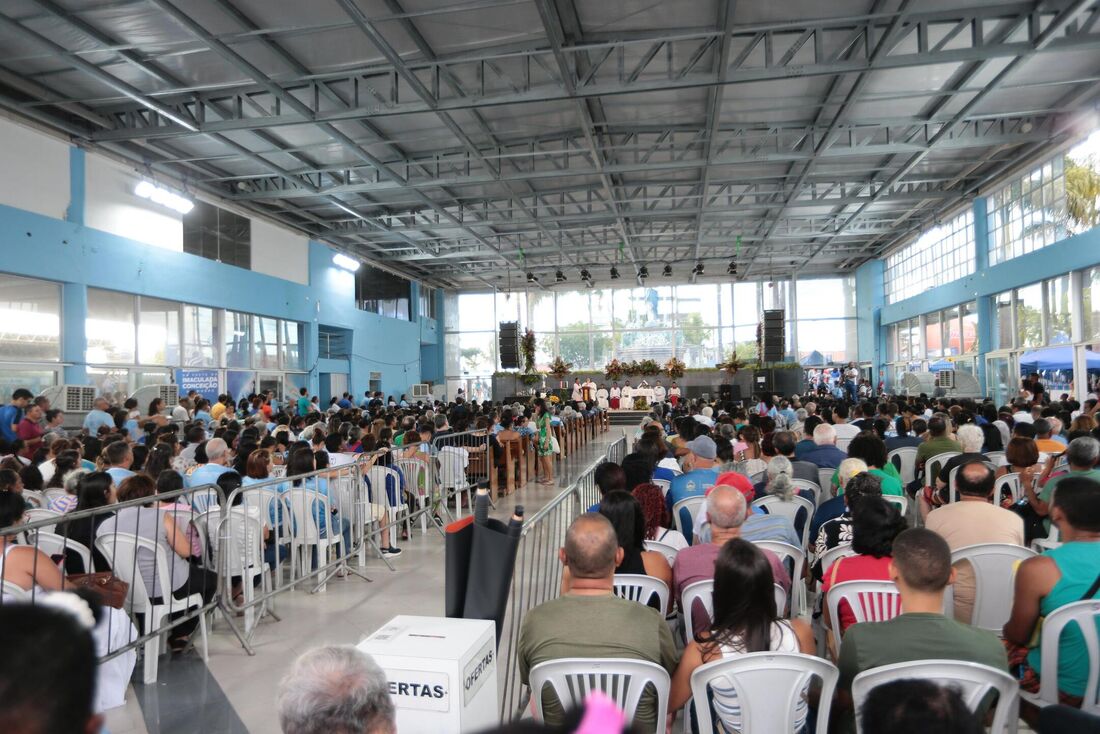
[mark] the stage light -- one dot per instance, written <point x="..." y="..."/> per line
<point x="732" y="269"/>
<point x="531" y="278"/>
<point x="667" y="272"/>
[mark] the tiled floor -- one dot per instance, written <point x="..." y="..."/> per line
<point x="235" y="692"/>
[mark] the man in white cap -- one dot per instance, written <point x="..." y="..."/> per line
<point x="699" y="473"/>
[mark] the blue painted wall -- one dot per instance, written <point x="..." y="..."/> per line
<point x="80" y="257"/>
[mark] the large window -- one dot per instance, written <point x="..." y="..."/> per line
<point x="200" y="337"/>
<point x="382" y="293"/>
<point x="238" y="341"/>
<point x="217" y="234"/>
<point x="1029" y="213"/>
<point x="265" y="342"/>
<point x="701" y="324"/>
<point x="109" y="327"/>
<point x="940" y="255"/>
<point x="158" y="331"/>
<point x="30" y="320"/>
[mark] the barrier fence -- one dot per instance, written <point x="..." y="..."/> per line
<point x="538" y="572"/>
<point x="195" y="555"/>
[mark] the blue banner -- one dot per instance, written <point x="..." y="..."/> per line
<point x="240" y="384"/>
<point x="204" y="382"/>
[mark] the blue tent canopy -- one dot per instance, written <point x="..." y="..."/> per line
<point x="813" y="359"/>
<point x="1056" y="358"/>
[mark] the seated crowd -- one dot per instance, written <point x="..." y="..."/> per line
<point x="774" y="509"/>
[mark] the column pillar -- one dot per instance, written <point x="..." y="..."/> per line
<point x="984" y="302"/>
<point x="74" y="340"/>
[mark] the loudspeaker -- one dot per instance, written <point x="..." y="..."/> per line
<point x="509" y="345"/>
<point x="773" y="318"/>
<point x="775" y="335"/>
<point x="729" y="392"/>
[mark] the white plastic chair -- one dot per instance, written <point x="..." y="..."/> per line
<point x="952" y="488"/>
<point x="300" y="504"/>
<point x="204" y="499"/>
<point x="1086" y="615"/>
<point x="121" y="550"/>
<point x="774" y="505"/>
<point x="973" y="681"/>
<point x="572" y="679"/>
<point x="451" y="465"/>
<point x="870" y="601"/>
<point x="695" y="594"/>
<point x="825" y="480"/>
<point x="415" y="472"/>
<point x="906" y="463"/>
<point x="770" y="687"/>
<point x="666" y="550"/>
<point x="934" y="464"/>
<point x="781" y="603"/>
<point x="641" y="588"/>
<point x="240" y="552"/>
<point x="53" y="544"/>
<point x="39" y="515"/>
<point x="1052" y="541"/>
<point x="998" y="458"/>
<point x="1011" y="482"/>
<point x="902" y="503"/>
<point x="994" y="567"/>
<point x="801" y="484"/>
<point x="664" y="484"/>
<point x="35" y="497"/>
<point x="797" y="558"/>
<point x="831" y="556"/>
<point x="692" y="505"/>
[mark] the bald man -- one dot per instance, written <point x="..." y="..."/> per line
<point x="726" y="512"/>
<point x="590" y="621"/>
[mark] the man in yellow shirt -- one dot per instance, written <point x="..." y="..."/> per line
<point x="217" y="410"/>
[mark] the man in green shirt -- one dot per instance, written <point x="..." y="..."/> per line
<point x="1082" y="454"/>
<point x="921" y="568"/>
<point x="303" y="402"/>
<point x="589" y="621"/>
<point x="938" y="442"/>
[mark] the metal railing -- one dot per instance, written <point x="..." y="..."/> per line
<point x="538" y="572"/>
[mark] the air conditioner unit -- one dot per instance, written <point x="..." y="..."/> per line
<point x="71" y="398"/>
<point x="168" y="393"/>
<point x="946" y="379"/>
<point x="421" y="391"/>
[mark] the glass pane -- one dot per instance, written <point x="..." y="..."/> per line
<point x="573" y="344"/>
<point x="151" y="377"/>
<point x="1002" y="321"/>
<point x="265" y="342"/>
<point x="655" y="344"/>
<point x="745" y="346"/>
<point x="573" y="314"/>
<point x="199" y="340"/>
<point x="699" y="347"/>
<point x="776" y="294"/>
<point x="30" y="319"/>
<point x="833" y="339"/>
<point x="540" y="310"/>
<point x="933" y="335"/>
<point x="824" y="298"/>
<point x="111" y="383"/>
<point x="643" y="307"/>
<point x="697" y="305"/>
<point x="158" y="331"/>
<point x="293" y="336"/>
<point x="951" y="334"/>
<point x="603" y="344"/>
<point x="1029" y="316"/>
<point x="34" y="380"/>
<point x="110" y="327"/>
<point x="1091" y="303"/>
<point x="970" y="328"/>
<point x="746" y="310"/>
<point x="473" y="354"/>
<point x="475" y="312"/>
<point x="511" y="307"/>
<point x="999" y="379"/>
<point x="601" y="307"/>
<point x="1058" y="302"/>
<point x="238" y="343"/>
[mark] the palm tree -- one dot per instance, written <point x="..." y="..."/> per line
<point x="1082" y="194"/>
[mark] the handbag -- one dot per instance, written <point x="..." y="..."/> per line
<point x="554" y="445"/>
<point x="110" y="589"/>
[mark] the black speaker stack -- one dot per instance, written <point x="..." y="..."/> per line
<point x="509" y="345"/>
<point x="775" y="336"/>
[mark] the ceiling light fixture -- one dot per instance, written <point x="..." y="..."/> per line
<point x="614" y="273"/>
<point x="732" y="269"/>
<point x="698" y="268"/>
<point x="559" y="277"/>
<point x="164" y="197"/>
<point x="585" y="275"/>
<point x="531" y="278"/>
<point x="344" y="262"/>
<point x="643" y="272"/>
<point x="667" y="272"/>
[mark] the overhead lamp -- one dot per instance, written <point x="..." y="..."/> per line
<point x="585" y="275"/>
<point x="531" y="278"/>
<point x="643" y="272"/>
<point x="698" y="269"/>
<point x="344" y="262"/>
<point x="667" y="272"/>
<point x="164" y="197"/>
<point x="732" y="269"/>
<point x="614" y="273"/>
<point x="559" y="277"/>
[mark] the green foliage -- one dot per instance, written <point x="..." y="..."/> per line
<point x="1082" y="194"/>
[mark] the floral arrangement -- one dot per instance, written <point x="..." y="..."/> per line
<point x="733" y="365"/>
<point x="527" y="349"/>
<point x="555" y="399"/>
<point x="647" y="367"/>
<point x="760" y="344"/>
<point x="674" y="368"/>
<point x="531" y="378"/>
<point x="560" y="368"/>
<point x="614" y="370"/>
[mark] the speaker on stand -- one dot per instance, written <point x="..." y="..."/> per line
<point x="775" y="336"/>
<point x="509" y="345"/>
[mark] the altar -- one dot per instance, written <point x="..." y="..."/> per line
<point x="637" y="392"/>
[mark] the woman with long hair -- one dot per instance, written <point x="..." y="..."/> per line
<point x="626" y="516"/>
<point x="745" y="620"/>
<point x="657" y="516"/>
<point x="544" y="445"/>
<point x="94" y="490"/>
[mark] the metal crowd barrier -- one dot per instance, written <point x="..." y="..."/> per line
<point x="538" y="571"/>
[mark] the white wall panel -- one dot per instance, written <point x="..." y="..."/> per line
<point x="112" y="206"/>
<point x="36" y="171"/>
<point x="280" y="252"/>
